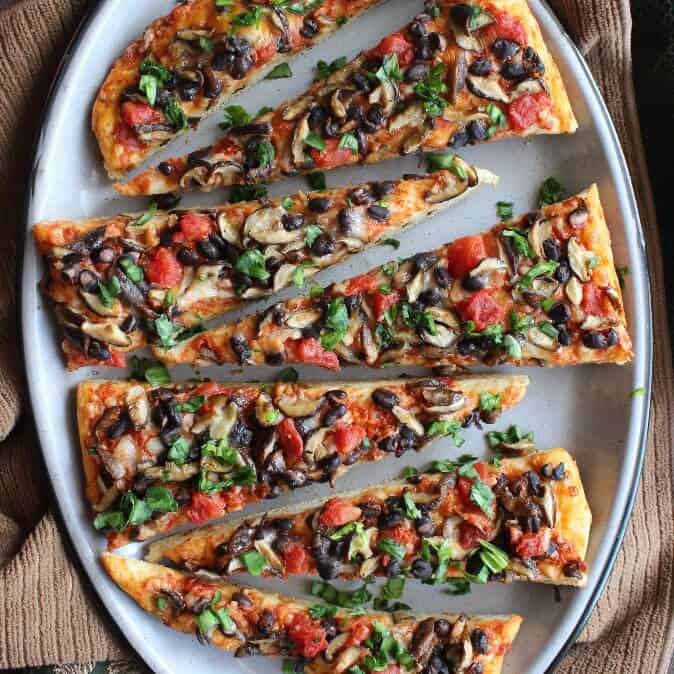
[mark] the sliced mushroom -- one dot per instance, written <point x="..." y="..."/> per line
<point x="467" y="657"/>
<point x="580" y="259"/>
<point x="443" y="338"/>
<point x="173" y="472"/>
<point x="221" y="425"/>
<point x="94" y="302"/>
<point x="441" y="399"/>
<point x="228" y="230"/>
<point x="338" y="642"/>
<point x="531" y="86"/>
<point x="574" y="291"/>
<point x="539" y="338"/>
<point x="540" y="231"/>
<point x="412" y="115"/>
<point x="525" y="569"/>
<point x="416" y="286"/>
<point x="138" y="406"/>
<point x="404" y="416"/>
<point x="263" y="547"/>
<point x="265" y="412"/>
<point x="294" y="110"/>
<point x="314" y="448"/>
<point x="302" y="319"/>
<point x="265" y="225"/>
<point x="386" y="94"/>
<point x="488" y="266"/>
<point x="284" y="276"/>
<point x="369" y="346"/>
<point x="424" y="641"/>
<point x="106" y="332"/>
<point x="337" y="104"/>
<point x="464" y="38"/>
<point x="302" y="130"/>
<point x="458" y="76"/>
<point x="487" y="87"/>
<point x="369" y="567"/>
<point x="299" y="407"/>
<point x="450" y="533"/>
<point x="451" y="185"/>
<point x="548" y="504"/>
<point x="413" y="142"/>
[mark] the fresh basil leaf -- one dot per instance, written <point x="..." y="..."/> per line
<point x="324" y="69"/>
<point x="504" y="210"/>
<point x="394" y="243"/>
<point x="133" y="271"/>
<point x="193" y="404"/>
<point x="160" y="499"/>
<point x="519" y="242"/>
<point x="234" y="115"/>
<point x="317" y="181"/>
<point x="166" y="331"/>
<point x="321" y="611"/>
<point x="252" y="263"/>
<point x="551" y="191"/>
<point x="336" y="323"/>
<point x="241" y="193"/>
<point x="254" y="562"/>
<point x="315" y="141"/>
<point x="490" y="402"/>
<point x="108" y="291"/>
<point x="389" y="70"/>
<point x="540" y="269"/>
<point x="281" y="71"/>
<point x="495" y="559"/>
<point x="179" y="451"/>
<point x="288" y="374"/>
<point x="311" y="234"/>
<point x="390" y="547"/>
<point x="483" y="497"/>
<point x="348" y="141"/>
<point x="451" y="429"/>
<point x="411" y="509"/>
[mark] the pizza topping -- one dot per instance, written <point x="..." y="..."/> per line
<point x="219" y="447"/>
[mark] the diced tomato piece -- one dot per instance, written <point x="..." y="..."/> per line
<point x="208" y="389"/>
<point x="163" y="268"/>
<point x="482" y="309"/>
<point x="593" y="300"/>
<point x="265" y="52"/>
<point x="117" y="359"/>
<point x="505" y="26"/>
<point x="482" y="469"/>
<point x="195" y="226"/>
<point x="290" y="440"/>
<point x="463" y="487"/>
<point x="307" y="635"/>
<point x="469" y="536"/>
<point x="337" y="513"/>
<point x="234" y="499"/>
<point x="523" y="112"/>
<point x="204" y="507"/>
<point x="406" y="536"/>
<point x="534" y="545"/>
<point x="134" y="113"/>
<point x="359" y="630"/>
<point x="310" y="351"/>
<point x="347" y="437"/>
<point x="332" y="155"/>
<point x="126" y="136"/>
<point x="397" y="44"/>
<point x="295" y="558"/>
<point x="362" y="284"/>
<point x="465" y="254"/>
<point x="381" y="303"/>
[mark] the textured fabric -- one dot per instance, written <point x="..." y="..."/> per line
<point x="47" y="613"/>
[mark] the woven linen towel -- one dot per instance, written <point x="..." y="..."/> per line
<point x="48" y="614"/>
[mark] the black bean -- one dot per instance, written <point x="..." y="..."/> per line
<point x="466" y="347"/>
<point x="362" y="141"/>
<point x="241" y="65"/>
<point x="480" y="641"/>
<point x="422" y="569"/>
<point x="241" y="540"/>
<point x="328" y="568"/>
<point x="330" y="627"/>
<point x="331" y="463"/>
<point x="319" y="204"/>
<point x="362" y="82"/>
<point x="309" y="28"/>
<point x="416" y="72"/>
<point x="295" y="478"/>
<point x="212" y="84"/>
<point x="504" y="49"/>
<point x="370" y="511"/>
<point x="431" y="297"/>
<point x="379" y="213"/>
<point x="559" y="313"/>
<point x="424" y="49"/>
<point x="442" y="627"/>
<point x="425" y="526"/>
<point x="595" y="340"/>
<point x="129" y="324"/>
<point x="360" y="196"/>
<point x="408" y="439"/>
<point x="559" y="472"/>
<point x="320" y="546"/>
<point x="92" y="241"/>
<point x="391" y="519"/>
<point x="442" y="277"/>
<point x="318" y="116"/>
<point x="188" y="257"/>
<point x="98" y="350"/>
<point x="88" y="280"/>
<point x="472" y="283"/>
<point x="323" y="245"/>
<point x="513" y="71"/>
<point x="389" y="444"/>
<point x="436" y="665"/>
<point x="187" y="88"/>
<point x="120" y="427"/>
<point x="165" y="168"/>
<point x="331" y="128"/>
<point x="208" y="249"/>
<point x="460" y="139"/>
<point x="274" y="358"/>
<point x="292" y="221"/>
<point x="265" y="623"/>
<point x="481" y="67"/>
<point x="394" y="568"/>
<point x="563" y="273"/>
<point x="552" y="250"/>
<point x="384" y="188"/>
<point x="533" y="61"/>
<point x="385" y="398"/>
<point x="477" y="130"/>
<point x="546" y="470"/>
<point x="374" y="118"/>
<point x="424" y="261"/>
<point x="572" y="570"/>
<point x="240" y="347"/>
<point x="253" y="129"/>
<point x="333" y="415"/>
<point x="104" y="255"/>
<point x="612" y="337"/>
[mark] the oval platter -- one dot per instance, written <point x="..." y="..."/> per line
<point x="590" y="410"/>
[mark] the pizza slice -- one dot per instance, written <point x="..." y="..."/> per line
<point x="460" y="73"/>
<point x="156" y="457"/>
<point x="538" y="289"/>
<point x="186" y="64"/>
<point x="119" y="282"/>
<point x="526" y="518"/>
<point x="247" y="622"/>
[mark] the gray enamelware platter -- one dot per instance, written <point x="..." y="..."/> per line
<point x="589" y="410"/>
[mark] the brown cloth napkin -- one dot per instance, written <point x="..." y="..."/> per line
<point x="48" y="614"/>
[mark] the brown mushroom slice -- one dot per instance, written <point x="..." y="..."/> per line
<point x="265" y="412"/>
<point x="228" y="230"/>
<point x="137" y="406"/>
<point x="110" y="333"/>
<point x="265" y="225"/>
<point x="299" y="407"/>
<point x="302" y="131"/>
<point x="548" y="504"/>
<point x="404" y="416"/>
<point x="541" y="231"/>
<point x="531" y="86"/>
<point x="95" y="303"/>
<point x="580" y="259"/>
<point x="412" y="115"/>
<point x="487" y="87"/>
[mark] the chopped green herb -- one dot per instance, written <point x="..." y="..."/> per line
<point x="320" y="611"/>
<point x="252" y="263"/>
<point x="451" y="429"/>
<point x="234" y="115"/>
<point x="108" y="291"/>
<point x="489" y="402"/>
<point x="312" y="233"/>
<point x="254" y="562"/>
<point x="324" y="69"/>
<point x="430" y="90"/>
<point x="410" y="471"/>
<point x="298" y="276"/>
<point x="539" y="269"/>
<point x="193" y="404"/>
<point x="548" y="329"/>
<point x="519" y="242"/>
<point x="504" y="210"/>
<point x="249" y="18"/>
<point x="390" y="547"/>
<point x="206" y="44"/>
<point x="458" y="586"/>
<point x="161" y="603"/>
<point x="281" y="71"/>
<point x="133" y="271"/>
<point x="315" y="141"/>
<point x="179" y="451"/>
<point x="160" y="499"/>
<point x="174" y="113"/>
<point x="349" y="141"/>
<point x="520" y="322"/>
<point x="445" y="160"/>
<point x="512" y="347"/>
<point x="336" y="323"/>
<point x="287" y="203"/>
<point x="511" y="436"/>
<point x="288" y="374"/>
<point x="247" y="193"/>
<point x="154" y="373"/>
<point x="411" y="509"/>
<point x="551" y="191"/>
<point x="316" y="181"/>
<point x="343" y="598"/>
<point x="145" y="217"/>
<point x="394" y="243"/>
<point x="483" y="497"/>
<point x="389" y="70"/>
<point x="495" y="559"/>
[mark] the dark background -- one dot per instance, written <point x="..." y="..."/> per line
<point x="653" y="54"/>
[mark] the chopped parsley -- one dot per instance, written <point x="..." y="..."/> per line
<point x="252" y="264"/>
<point x="153" y="76"/>
<point x="451" y="429"/>
<point x="504" y="210"/>
<point x="234" y="115"/>
<point x="551" y="191"/>
<point x="349" y="141"/>
<point x="145" y="217"/>
<point x="247" y="193"/>
<point x="281" y="71"/>
<point x="430" y="91"/>
<point x="325" y="69"/>
<point x="316" y="181"/>
<point x="315" y="141"/>
<point x="336" y="323"/>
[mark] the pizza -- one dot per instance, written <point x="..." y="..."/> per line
<point x="247" y="621"/>
<point x="188" y="63"/>
<point x="458" y="74"/>
<point x="156" y="457"/>
<point x="526" y="518"/>
<point x="120" y="282"/>
<point x="538" y="289"/>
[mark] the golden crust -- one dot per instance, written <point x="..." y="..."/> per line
<point x="200" y="14"/>
<point x="142" y="581"/>
<point x="196" y="549"/>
